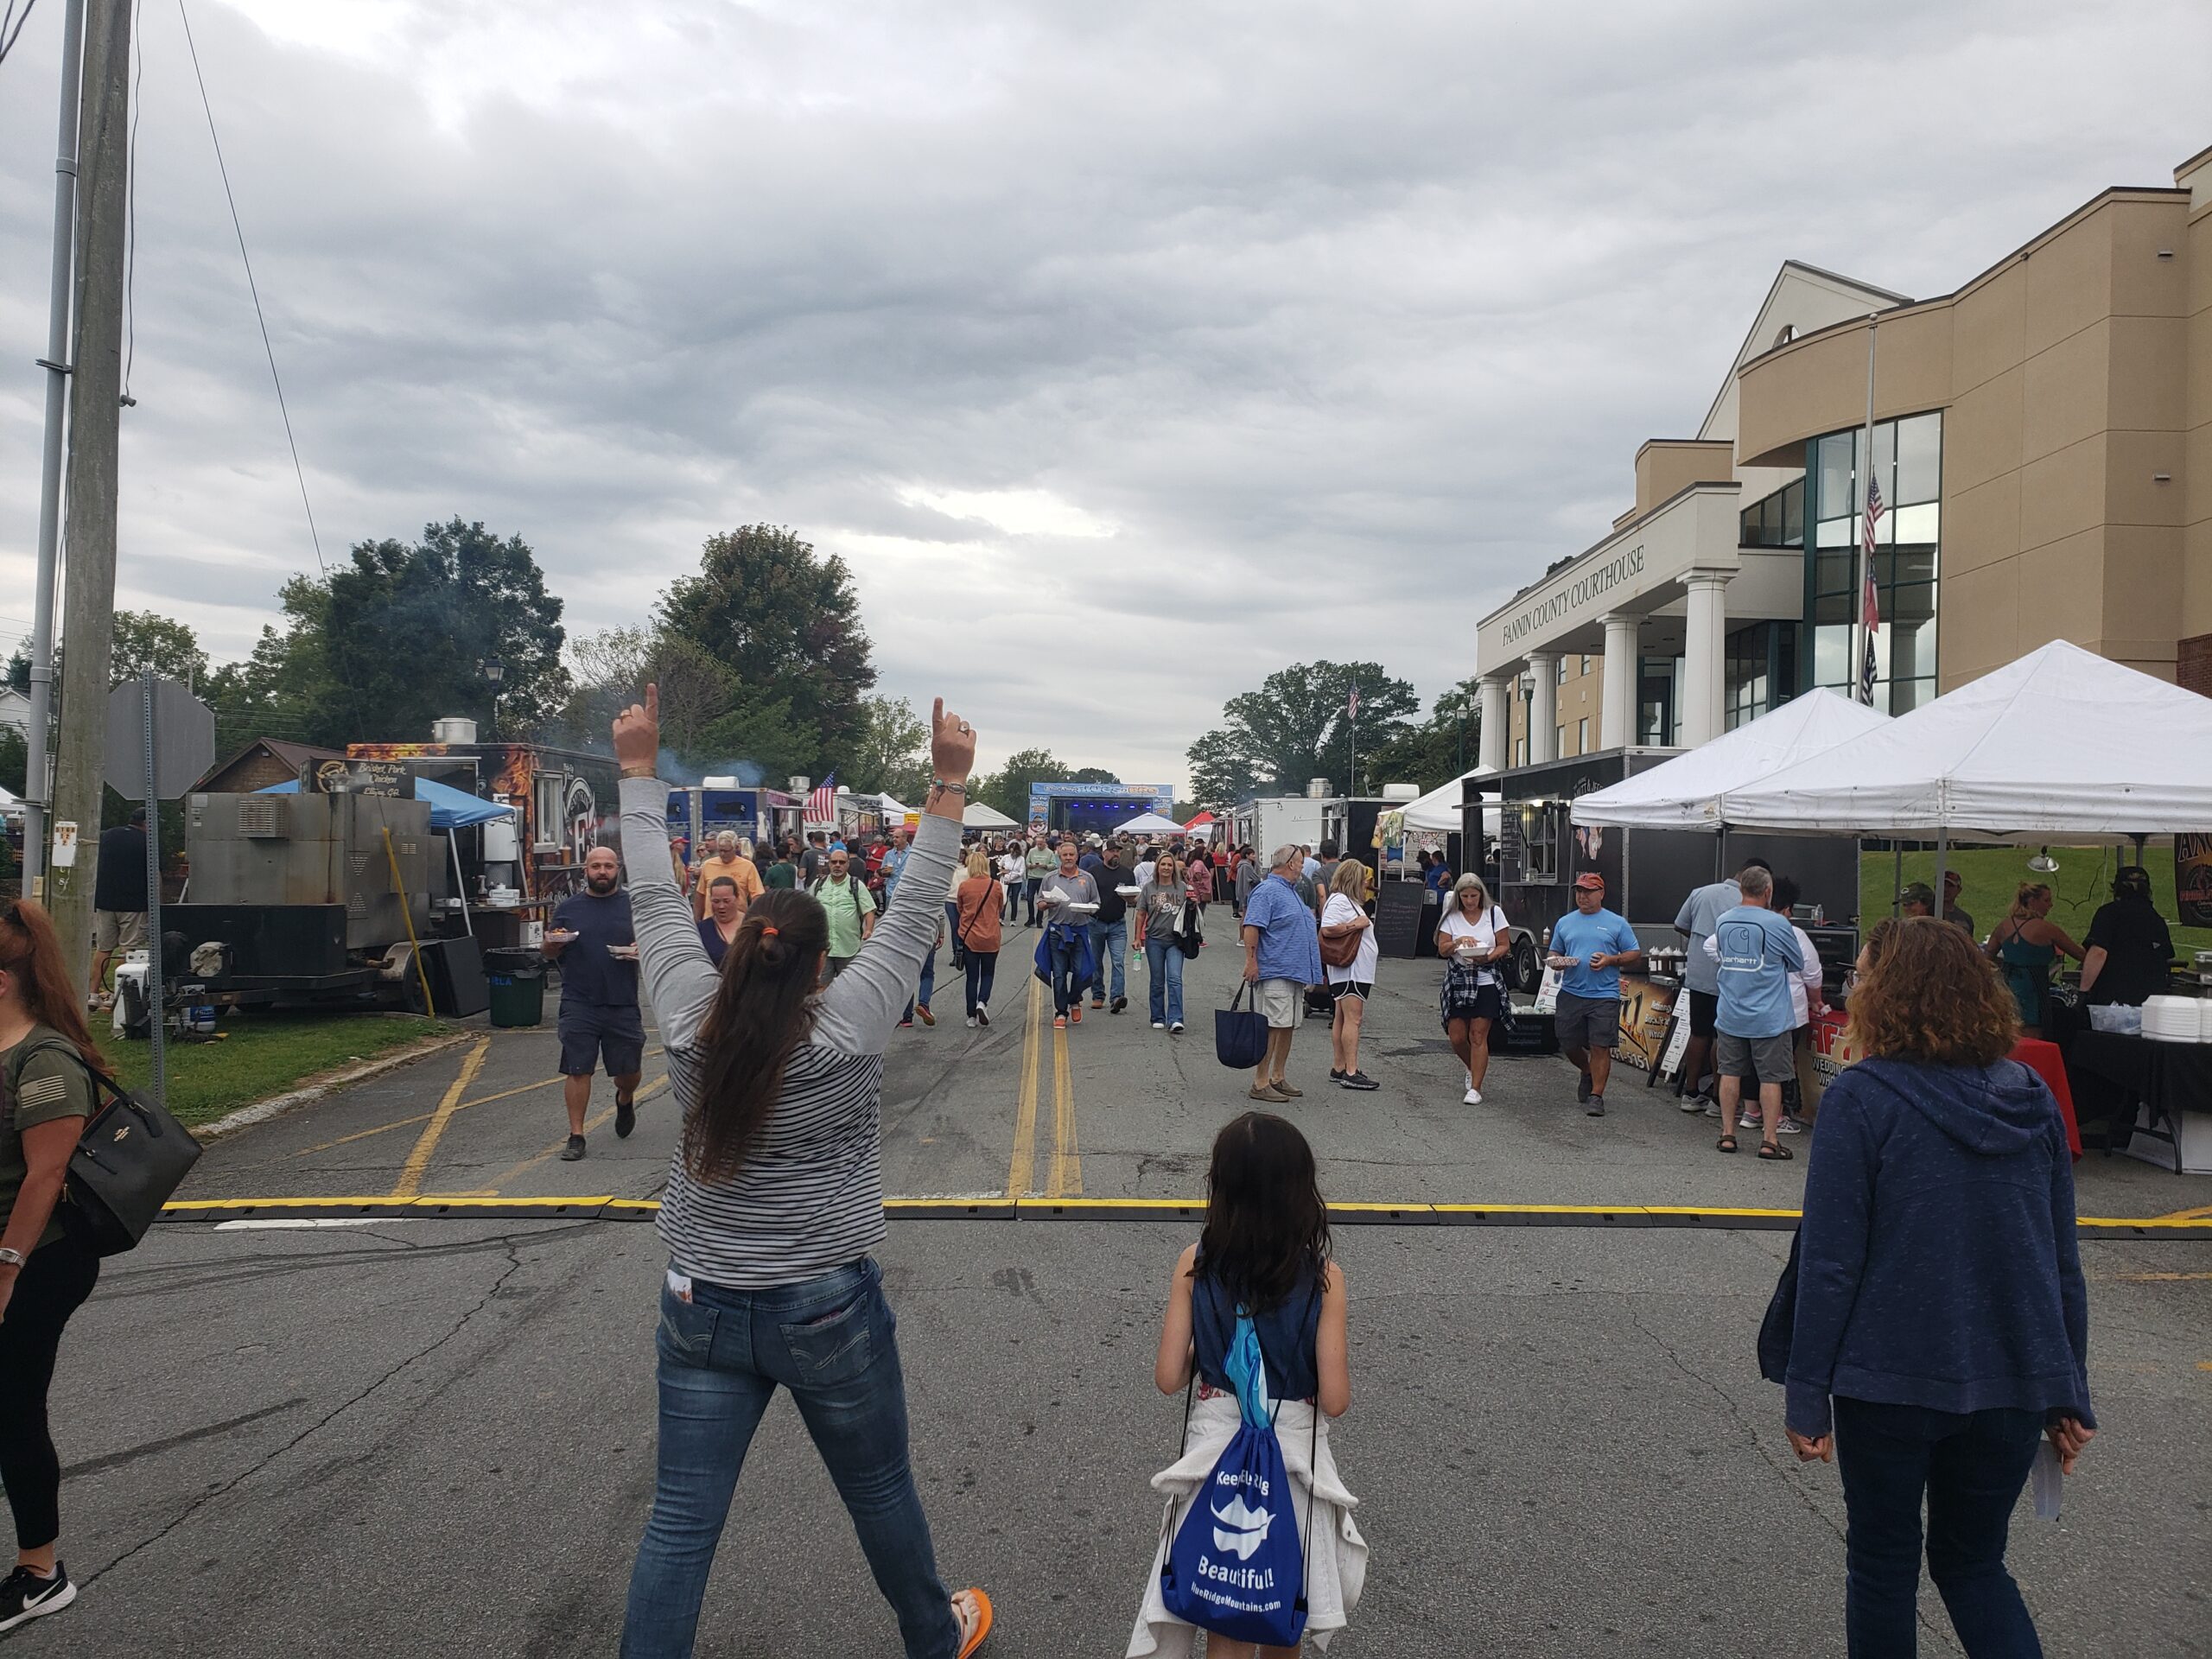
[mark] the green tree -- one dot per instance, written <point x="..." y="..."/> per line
<point x="776" y="613"/>
<point x="14" y="761"/>
<point x="1442" y="746"/>
<point x="1296" y="727"/>
<point x="1007" y="789"/>
<point x="144" y="639"/>
<point x="406" y="627"/>
<point x="892" y="754"/>
<point x="1092" y="775"/>
<point x="282" y="689"/>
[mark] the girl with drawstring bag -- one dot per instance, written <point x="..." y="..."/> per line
<point x="1258" y="1545"/>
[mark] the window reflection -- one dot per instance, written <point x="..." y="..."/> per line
<point x="1907" y="465"/>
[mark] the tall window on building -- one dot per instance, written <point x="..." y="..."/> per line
<point x="1520" y="751"/>
<point x="1656" y="677"/>
<point x="1908" y="468"/>
<point x="1582" y="737"/>
<point x="1760" y="671"/>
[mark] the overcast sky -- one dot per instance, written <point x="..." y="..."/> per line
<point x="1126" y="352"/>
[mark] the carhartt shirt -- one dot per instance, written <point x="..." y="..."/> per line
<point x="1756" y="952"/>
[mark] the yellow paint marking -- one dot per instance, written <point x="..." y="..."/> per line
<point x="424" y="1117"/>
<point x="2150" y="1278"/>
<point x="1066" y="1177"/>
<point x="1022" y="1167"/>
<point x="644" y="1094"/>
<point x="2197" y="1214"/>
<point x="418" y="1161"/>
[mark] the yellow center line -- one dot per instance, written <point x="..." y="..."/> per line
<point x="418" y="1161"/>
<point x="552" y="1081"/>
<point x="605" y="1118"/>
<point x="1022" y="1167"/>
<point x="2198" y="1214"/>
<point x="1066" y="1178"/>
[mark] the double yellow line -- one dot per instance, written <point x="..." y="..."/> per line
<point x="1064" y="1175"/>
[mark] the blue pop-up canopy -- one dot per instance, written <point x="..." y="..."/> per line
<point x="450" y="807"/>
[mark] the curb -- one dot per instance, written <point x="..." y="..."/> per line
<point x="261" y="1111"/>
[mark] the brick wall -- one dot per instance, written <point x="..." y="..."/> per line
<point x="2193" y="664"/>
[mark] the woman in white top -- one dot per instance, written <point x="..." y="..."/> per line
<point x="1472" y="940"/>
<point x="1011" y="866"/>
<point x="1351" y="985"/>
<point x="1805" y="1000"/>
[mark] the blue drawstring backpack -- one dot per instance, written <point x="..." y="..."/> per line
<point x="1235" y="1566"/>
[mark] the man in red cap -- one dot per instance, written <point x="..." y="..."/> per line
<point x="1590" y="945"/>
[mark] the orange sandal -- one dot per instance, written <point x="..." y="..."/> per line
<point x="974" y="1638"/>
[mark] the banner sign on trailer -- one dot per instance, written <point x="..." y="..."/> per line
<point x="2193" y="880"/>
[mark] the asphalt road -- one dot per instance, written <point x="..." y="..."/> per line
<point x="436" y="1433"/>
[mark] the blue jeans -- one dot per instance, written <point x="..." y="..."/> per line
<point x="1111" y="941"/>
<point x="1166" y="963"/>
<point x="832" y="1341"/>
<point x="1032" y="886"/>
<point x="1067" y="956"/>
<point x="983" y="969"/>
<point x="1971" y="1468"/>
<point x="928" y="985"/>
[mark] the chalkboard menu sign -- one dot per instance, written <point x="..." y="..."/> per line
<point x="1512" y="849"/>
<point x="1400" y="928"/>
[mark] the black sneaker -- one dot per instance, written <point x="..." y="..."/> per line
<point x="573" y="1151"/>
<point x="24" y="1596"/>
<point x="1336" y="1076"/>
<point x="1120" y="1002"/>
<point x="1357" y="1080"/>
<point x="626" y="1118"/>
<point x="1595" y="1106"/>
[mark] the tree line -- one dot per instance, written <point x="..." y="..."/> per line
<point x="1299" y="726"/>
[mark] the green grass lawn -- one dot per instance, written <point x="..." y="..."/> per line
<point x="262" y="1054"/>
<point x="1991" y="874"/>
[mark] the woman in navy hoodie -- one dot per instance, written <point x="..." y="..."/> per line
<point x="1942" y="1322"/>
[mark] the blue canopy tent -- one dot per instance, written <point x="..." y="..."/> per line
<point x="451" y="809"/>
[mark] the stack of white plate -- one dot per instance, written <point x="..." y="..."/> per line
<point x="2175" y="1020"/>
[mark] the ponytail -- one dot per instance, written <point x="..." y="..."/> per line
<point x="30" y="951"/>
<point x="759" y="1017"/>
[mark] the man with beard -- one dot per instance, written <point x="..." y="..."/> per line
<point x="592" y="939"/>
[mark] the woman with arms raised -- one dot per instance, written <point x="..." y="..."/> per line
<point x="774" y="1203"/>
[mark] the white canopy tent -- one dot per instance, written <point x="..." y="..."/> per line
<point x="1684" y="794"/>
<point x="1439" y="808"/>
<point x="2061" y="744"/>
<point x="1149" y="823"/>
<point x="980" y="814"/>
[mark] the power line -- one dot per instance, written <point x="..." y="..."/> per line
<point x="8" y="37"/>
<point x="252" y="287"/>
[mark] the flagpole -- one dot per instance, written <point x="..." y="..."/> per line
<point x="1862" y="641"/>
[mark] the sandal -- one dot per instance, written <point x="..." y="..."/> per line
<point x="1775" y="1153"/>
<point x="972" y="1636"/>
<point x="1725" y="1143"/>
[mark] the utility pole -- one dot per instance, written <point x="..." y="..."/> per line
<point x="36" y="779"/>
<point x="95" y="417"/>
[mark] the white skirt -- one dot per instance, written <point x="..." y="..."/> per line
<point x="1336" y="1555"/>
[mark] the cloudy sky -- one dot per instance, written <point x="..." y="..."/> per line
<point x="1126" y="352"/>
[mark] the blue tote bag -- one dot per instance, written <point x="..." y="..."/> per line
<point x="1240" y="1034"/>
<point x="1235" y="1566"/>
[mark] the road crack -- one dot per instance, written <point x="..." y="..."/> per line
<point x="498" y="1282"/>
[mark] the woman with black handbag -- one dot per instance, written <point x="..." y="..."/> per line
<point x="46" y="1272"/>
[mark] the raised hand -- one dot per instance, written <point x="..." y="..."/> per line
<point x="637" y="735"/>
<point x="952" y="745"/>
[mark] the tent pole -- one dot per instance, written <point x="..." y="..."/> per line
<point x="459" y="883"/>
<point x="1897" y="886"/>
<point x="1942" y="852"/>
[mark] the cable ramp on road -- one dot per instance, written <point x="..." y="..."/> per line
<point x="998" y="1207"/>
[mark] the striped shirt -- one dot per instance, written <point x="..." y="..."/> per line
<point x="808" y="1198"/>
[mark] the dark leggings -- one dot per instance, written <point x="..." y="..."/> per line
<point x="52" y="1286"/>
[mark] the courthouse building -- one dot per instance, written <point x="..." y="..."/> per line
<point x="2042" y="445"/>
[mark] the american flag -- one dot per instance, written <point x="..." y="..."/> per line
<point x="822" y="805"/>
<point x="1870" y="605"/>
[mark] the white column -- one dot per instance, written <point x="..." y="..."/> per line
<point x="1498" y="720"/>
<point x="1617" y="715"/>
<point x="1543" y="711"/>
<point x="1704" y="656"/>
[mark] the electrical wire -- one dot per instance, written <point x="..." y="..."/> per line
<point x="8" y="35"/>
<point x="298" y="471"/>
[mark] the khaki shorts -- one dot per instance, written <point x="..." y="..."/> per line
<point x="1281" y="1000"/>
<point x="118" y="930"/>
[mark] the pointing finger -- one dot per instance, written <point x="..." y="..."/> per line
<point x="937" y="714"/>
<point x="652" y="699"/>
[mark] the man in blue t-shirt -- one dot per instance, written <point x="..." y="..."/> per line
<point x="593" y="941"/>
<point x="1756" y="951"/>
<point x="1590" y="945"/>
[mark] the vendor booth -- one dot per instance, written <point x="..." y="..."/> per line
<point x="2061" y="747"/>
<point x="980" y="814"/>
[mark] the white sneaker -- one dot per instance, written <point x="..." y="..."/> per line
<point x="971" y="1022"/>
<point x="1175" y="1030"/>
<point x="1159" y="1025"/>
<point x="1694" y="1102"/>
<point x="1470" y="1082"/>
<point x="1750" y="1120"/>
<point x="1474" y="1097"/>
<point x="1789" y="1126"/>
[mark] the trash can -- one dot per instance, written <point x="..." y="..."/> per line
<point x="516" y="978"/>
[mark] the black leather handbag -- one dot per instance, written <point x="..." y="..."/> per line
<point x="131" y="1156"/>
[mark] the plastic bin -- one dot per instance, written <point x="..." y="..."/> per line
<point x="516" y="979"/>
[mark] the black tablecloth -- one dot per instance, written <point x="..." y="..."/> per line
<point x="2112" y="1072"/>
